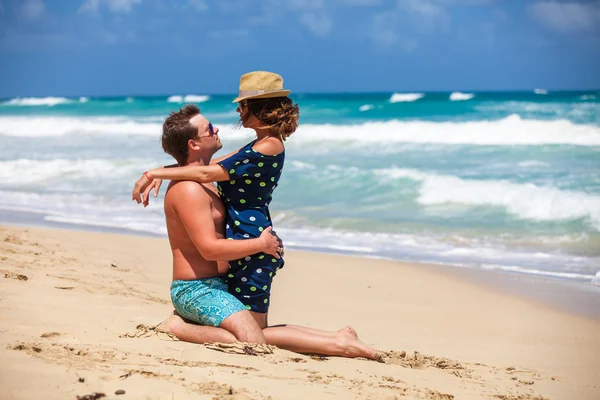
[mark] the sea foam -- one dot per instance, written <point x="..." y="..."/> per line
<point x="526" y="201"/>
<point x="508" y="131"/>
<point x="190" y="98"/>
<point x="30" y="171"/>
<point x="405" y="97"/>
<point x="37" y="101"/>
<point x="59" y="126"/>
<point x="540" y="91"/>
<point x="458" y="96"/>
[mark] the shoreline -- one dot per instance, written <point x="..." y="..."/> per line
<point x="574" y="296"/>
<point x="78" y="311"/>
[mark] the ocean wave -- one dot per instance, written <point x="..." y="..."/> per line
<point x="86" y="209"/>
<point x="458" y="96"/>
<point x="508" y="131"/>
<point x="366" y="107"/>
<point x="523" y="200"/>
<point x="532" y="163"/>
<point x="479" y="252"/>
<point x="405" y="97"/>
<point x="588" y="97"/>
<point x="190" y="98"/>
<point x="28" y="171"/>
<point x="37" y="101"/>
<point x="596" y="279"/>
<point x="59" y="126"/>
<point x="84" y="99"/>
<point x="540" y="91"/>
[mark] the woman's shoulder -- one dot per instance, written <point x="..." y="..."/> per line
<point x="269" y="146"/>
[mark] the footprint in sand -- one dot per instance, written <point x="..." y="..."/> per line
<point x="49" y="335"/>
<point x="12" y="275"/>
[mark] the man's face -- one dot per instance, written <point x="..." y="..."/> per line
<point x="208" y="135"/>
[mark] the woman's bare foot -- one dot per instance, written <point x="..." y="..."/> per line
<point x="349" y="346"/>
<point x="349" y="330"/>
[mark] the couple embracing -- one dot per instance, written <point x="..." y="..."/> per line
<point x="225" y="254"/>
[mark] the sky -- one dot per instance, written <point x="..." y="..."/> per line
<point x="160" y="47"/>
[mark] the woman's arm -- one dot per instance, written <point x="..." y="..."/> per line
<point x="198" y="173"/>
<point x="217" y="160"/>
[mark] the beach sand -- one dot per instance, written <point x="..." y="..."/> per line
<point x="78" y="311"/>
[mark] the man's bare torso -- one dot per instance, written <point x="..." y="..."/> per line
<point x="188" y="263"/>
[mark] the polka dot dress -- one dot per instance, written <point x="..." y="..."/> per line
<point x="252" y="178"/>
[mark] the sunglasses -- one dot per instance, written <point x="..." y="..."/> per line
<point x="211" y="131"/>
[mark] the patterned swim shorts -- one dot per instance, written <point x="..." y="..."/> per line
<point x="205" y="301"/>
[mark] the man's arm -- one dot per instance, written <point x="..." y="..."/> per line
<point x="192" y="205"/>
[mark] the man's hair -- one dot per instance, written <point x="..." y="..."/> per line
<point x="177" y="131"/>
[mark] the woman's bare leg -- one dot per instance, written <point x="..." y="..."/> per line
<point x="263" y="322"/>
<point x="342" y="344"/>
<point x="301" y="339"/>
<point x="347" y="329"/>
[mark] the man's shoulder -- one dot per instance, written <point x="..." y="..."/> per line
<point x="185" y="190"/>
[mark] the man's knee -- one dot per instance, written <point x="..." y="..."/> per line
<point x="244" y="327"/>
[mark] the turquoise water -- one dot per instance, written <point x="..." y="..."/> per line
<point x="487" y="180"/>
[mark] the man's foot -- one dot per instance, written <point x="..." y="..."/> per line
<point x="171" y="326"/>
<point x="349" y="346"/>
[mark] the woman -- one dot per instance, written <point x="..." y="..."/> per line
<point x="246" y="180"/>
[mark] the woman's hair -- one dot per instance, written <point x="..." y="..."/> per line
<point x="279" y="114"/>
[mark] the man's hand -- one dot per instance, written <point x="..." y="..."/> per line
<point x="271" y="243"/>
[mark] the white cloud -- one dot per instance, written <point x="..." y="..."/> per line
<point x="319" y="24"/>
<point x="384" y="33"/>
<point x="116" y="6"/>
<point x="424" y="16"/>
<point x="306" y="5"/>
<point x="18" y="41"/>
<point x="33" y="9"/>
<point x="422" y="7"/>
<point x="360" y="2"/>
<point x="570" y="17"/>
<point x="199" y="5"/>
<point x="225" y="34"/>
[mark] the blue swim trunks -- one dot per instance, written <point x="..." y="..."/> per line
<point x="204" y="301"/>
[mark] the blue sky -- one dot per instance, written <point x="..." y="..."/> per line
<point x="129" y="47"/>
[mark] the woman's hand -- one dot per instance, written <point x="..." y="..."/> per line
<point x="143" y="186"/>
<point x="155" y="185"/>
<point x="271" y="243"/>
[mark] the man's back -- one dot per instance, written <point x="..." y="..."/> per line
<point x="188" y="263"/>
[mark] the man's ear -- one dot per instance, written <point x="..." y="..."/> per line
<point x="192" y="144"/>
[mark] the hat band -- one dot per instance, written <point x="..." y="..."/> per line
<point x="247" y="93"/>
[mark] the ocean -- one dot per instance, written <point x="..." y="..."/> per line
<point x="501" y="181"/>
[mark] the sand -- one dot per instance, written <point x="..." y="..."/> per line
<point x="78" y="312"/>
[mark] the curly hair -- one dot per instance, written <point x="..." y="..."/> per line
<point x="280" y="114"/>
<point x="177" y="131"/>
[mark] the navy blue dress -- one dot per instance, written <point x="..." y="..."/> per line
<point x="253" y="177"/>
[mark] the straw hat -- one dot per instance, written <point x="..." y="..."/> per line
<point x="260" y="85"/>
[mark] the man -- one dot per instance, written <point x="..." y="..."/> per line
<point x="195" y="224"/>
